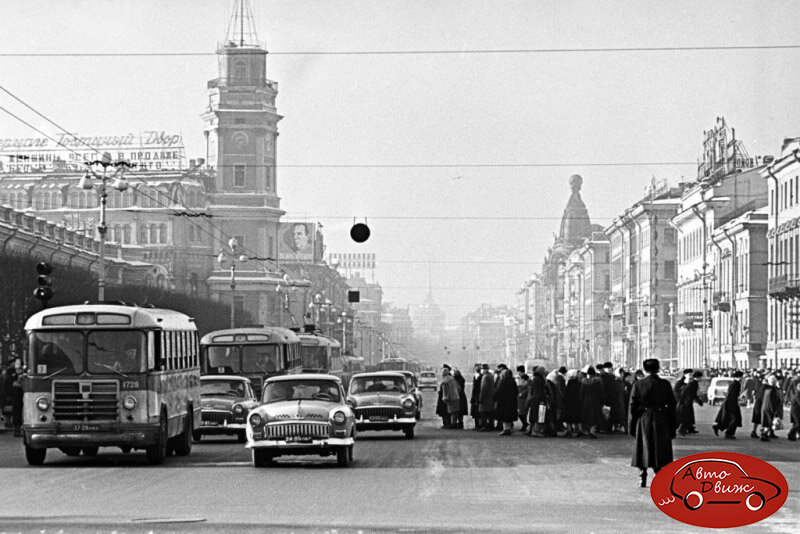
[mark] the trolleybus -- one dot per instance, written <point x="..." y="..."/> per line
<point x="321" y="354"/>
<point x="254" y="352"/>
<point x="104" y="375"/>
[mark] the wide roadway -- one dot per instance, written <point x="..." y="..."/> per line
<point x="447" y="480"/>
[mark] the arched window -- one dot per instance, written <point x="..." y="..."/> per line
<point x="37" y="201"/>
<point x="142" y="234"/>
<point x="162" y="234"/>
<point x="127" y="234"/>
<point x="45" y="200"/>
<point x="55" y="200"/>
<point x="3" y="199"/>
<point x="153" y="233"/>
<point x="240" y="70"/>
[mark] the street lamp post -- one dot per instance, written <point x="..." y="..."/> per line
<point x="671" y="334"/>
<point x="119" y="183"/>
<point x="608" y="308"/>
<point x="232" y="258"/>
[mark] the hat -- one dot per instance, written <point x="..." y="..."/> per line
<point x="697" y="374"/>
<point x="562" y="370"/>
<point x="591" y="371"/>
<point x="738" y="374"/>
<point x="608" y="365"/>
<point x="445" y="366"/>
<point x="521" y="368"/>
<point x="502" y="366"/>
<point x="485" y="366"/>
<point x="688" y="371"/>
<point x="651" y="365"/>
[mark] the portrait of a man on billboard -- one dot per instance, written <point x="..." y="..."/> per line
<point x="297" y="240"/>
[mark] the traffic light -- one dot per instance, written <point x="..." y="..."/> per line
<point x="43" y="292"/>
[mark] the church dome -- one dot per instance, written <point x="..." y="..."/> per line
<point x="575" y="223"/>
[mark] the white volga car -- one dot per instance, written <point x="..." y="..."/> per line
<point x="382" y="401"/>
<point x="299" y="415"/>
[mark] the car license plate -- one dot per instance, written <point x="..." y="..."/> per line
<point x="298" y="439"/>
<point x="210" y="423"/>
<point x="86" y="428"/>
<point x="378" y="418"/>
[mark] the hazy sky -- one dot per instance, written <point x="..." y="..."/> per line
<point x="521" y="108"/>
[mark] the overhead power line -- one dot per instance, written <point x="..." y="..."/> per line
<point x="429" y="52"/>
<point x="523" y="165"/>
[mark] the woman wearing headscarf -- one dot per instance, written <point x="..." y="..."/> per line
<point x="572" y="404"/>
<point x="592" y="397"/>
<point x="771" y="408"/>
<point x="505" y="398"/>
<point x="523" y="396"/>
<point x="538" y="396"/>
<point x="463" y="405"/>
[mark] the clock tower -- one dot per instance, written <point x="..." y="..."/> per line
<point x="241" y="129"/>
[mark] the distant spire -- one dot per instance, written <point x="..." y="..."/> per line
<point x="242" y="28"/>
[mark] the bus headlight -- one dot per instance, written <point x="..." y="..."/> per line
<point x="339" y="417"/>
<point x="255" y="420"/>
<point x="129" y="403"/>
<point x="408" y="404"/>
<point x="43" y="403"/>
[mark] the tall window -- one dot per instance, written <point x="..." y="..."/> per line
<point x="162" y="233"/>
<point x="127" y="234"/>
<point x="153" y="233"/>
<point x="238" y="175"/>
<point x="142" y="234"/>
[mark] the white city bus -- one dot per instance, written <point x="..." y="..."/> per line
<point x="110" y="375"/>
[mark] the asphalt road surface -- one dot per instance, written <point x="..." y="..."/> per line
<point x="444" y="480"/>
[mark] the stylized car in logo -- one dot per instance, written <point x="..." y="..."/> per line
<point x="717" y="481"/>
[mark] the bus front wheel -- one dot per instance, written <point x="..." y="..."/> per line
<point x="158" y="450"/>
<point x="35" y="456"/>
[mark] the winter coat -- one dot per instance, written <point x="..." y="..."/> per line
<point x="463" y="403"/>
<point x="450" y="395"/>
<point x="678" y="388"/>
<point x="505" y="397"/>
<point x="686" y="403"/>
<point x="730" y="414"/>
<point x="476" y="390"/>
<point x="619" y="410"/>
<point x="759" y="399"/>
<point x="652" y="420"/>
<point x="560" y="388"/>
<point x="523" y="394"/>
<point x="486" y="396"/>
<point x="592" y="402"/>
<point x="608" y="388"/>
<point x="572" y="401"/>
<point x="771" y="405"/>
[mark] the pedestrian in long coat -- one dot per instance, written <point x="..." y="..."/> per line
<point x="771" y="408"/>
<point x="591" y="402"/>
<point x="550" y="429"/>
<point x="450" y="396"/>
<point x="523" y="396"/>
<point x="505" y="398"/>
<point x="652" y="420"/>
<point x="606" y="374"/>
<point x="473" y="400"/>
<point x="619" y="407"/>
<point x="681" y="383"/>
<point x="441" y="405"/>
<point x="757" y="402"/>
<point x="463" y="404"/>
<point x="729" y="417"/>
<point x="557" y="378"/>
<point x="689" y="395"/>
<point x="749" y="388"/>
<point x="486" y="399"/>
<point x="794" y="414"/>
<point x="572" y="404"/>
<point x="538" y="396"/>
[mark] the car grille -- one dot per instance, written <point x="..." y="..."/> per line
<point x="380" y="411"/>
<point x="85" y="400"/>
<point x="219" y="418"/>
<point x="298" y="430"/>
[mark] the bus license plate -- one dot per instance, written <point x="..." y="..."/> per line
<point x="86" y="428"/>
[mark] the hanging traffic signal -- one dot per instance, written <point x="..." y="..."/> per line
<point x="43" y="292"/>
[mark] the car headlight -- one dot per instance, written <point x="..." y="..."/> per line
<point x="43" y="403"/>
<point x="238" y="409"/>
<point x="408" y="404"/>
<point x="339" y="417"/>
<point x="129" y="403"/>
<point x="255" y="420"/>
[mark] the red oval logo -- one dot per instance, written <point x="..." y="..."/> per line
<point x="719" y="490"/>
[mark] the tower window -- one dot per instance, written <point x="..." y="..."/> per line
<point x="240" y="70"/>
<point x="238" y="175"/>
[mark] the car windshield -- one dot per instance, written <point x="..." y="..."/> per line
<point x="260" y="358"/>
<point x="222" y="388"/>
<point x="314" y="357"/>
<point x="378" y="383"/>
<point x="288" y="390"/>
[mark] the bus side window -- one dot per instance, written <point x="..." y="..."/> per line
<point x="184" y="352"/>
<point x="160" y="350"/>
<point x="170" y="352"/>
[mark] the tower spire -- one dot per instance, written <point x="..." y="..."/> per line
<point x="241" y="27"/>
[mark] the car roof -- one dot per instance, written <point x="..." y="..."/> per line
<point x="225" y="377"/>
<point x="301" y="377"/>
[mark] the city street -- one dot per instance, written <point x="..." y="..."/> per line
<point x="445" y="480"/>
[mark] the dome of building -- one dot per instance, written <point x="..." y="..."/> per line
<point x="575" y="223"/>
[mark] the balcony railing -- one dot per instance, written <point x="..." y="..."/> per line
<point x="782" y="287"/>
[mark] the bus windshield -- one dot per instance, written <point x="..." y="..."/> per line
<point x="261" y="359"/>
<point x="224" y="358"/>
<point x="116" y="351"/>
<point x="315" y="357"/>
<point x="393" y="366"/>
